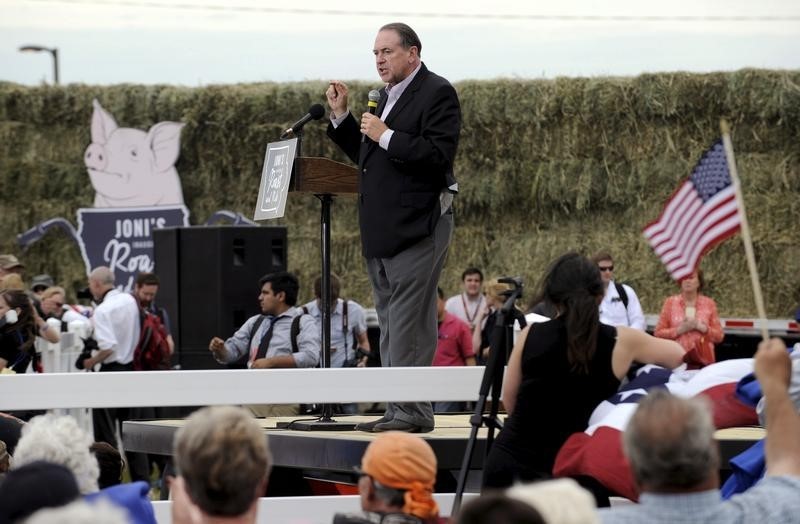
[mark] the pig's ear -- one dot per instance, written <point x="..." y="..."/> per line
<point x="103" y="124"/>
<point x="164" y="139"/>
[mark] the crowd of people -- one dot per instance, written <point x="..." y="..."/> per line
<point x="223" y="463"/>
<point x="575" y="356"/>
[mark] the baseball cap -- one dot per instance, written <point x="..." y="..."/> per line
<point x="35" y="486"/>
<point x="9" y="261"/>
<point x="43" y="280"/>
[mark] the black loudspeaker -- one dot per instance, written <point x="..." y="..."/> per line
<point x="209" y="282"/>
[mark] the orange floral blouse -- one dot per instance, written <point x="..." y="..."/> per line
<point x="673" y="313"/>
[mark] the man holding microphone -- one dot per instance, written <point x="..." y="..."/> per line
<point x="406" y="187"/>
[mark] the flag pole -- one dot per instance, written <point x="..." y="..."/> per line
<point x="745" y="228"/>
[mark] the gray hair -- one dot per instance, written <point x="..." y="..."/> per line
<point x="669" y="442"/>
<point x="81" y="512"/>
<point x="59" y="439"/>
<point x="222" y="455"/>
<point x="408" y="37"/>
<point x="102" y="275"/>
<point x="559" y="501"/>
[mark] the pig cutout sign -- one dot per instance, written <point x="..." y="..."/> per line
<point x="132" y="168"/>
<point x="137" y="190"/>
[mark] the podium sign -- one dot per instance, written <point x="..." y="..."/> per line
<point x="275" y="179"/>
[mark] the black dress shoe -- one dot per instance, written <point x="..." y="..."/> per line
<point x="370" y="426"/>
<point x="401" y="425"/>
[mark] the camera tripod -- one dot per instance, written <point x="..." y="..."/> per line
<point x="501" y="342"/>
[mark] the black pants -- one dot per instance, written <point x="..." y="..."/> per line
<point x="105" y="421"/>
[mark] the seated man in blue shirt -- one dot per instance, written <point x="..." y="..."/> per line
<point x="670" y="444"/>
<point x="267" y="340"/>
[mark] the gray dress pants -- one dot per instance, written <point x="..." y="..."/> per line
<point x="404" y="290"/>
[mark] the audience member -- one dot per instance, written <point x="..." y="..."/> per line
<point x="31" y="487"/>
<point x="454" y="348"/>
<point x="5" y="460"/>
<point x="20" y="324"/>
<point x="691" y="319"/>
<point x="560" y="501"/>
<point x="12" y="281"/>
<point x="53" y="306"/>
<point x="81" y="512"/>
<point x="620" y="305"/>
<point x="10" y="431"/>
<point x="674" y="458"/>
<point x="132" y="497"/>
<point x="59" y="440"/>
<point x="116" y="330"/>
<point x="498" y="508"/>
<point x="41" y="282"/>
<point x="487" y="319"/>
<point x="10" y="264"/>
<point x="348" y="324"/>
<point x="560" y="370"/>
<point x="397" y="475"/>
<point x="145" y="290"/>
<point x="110" y="462"/>
<point x="223" y="464"/>
<point x="268" y="340"/>
<point x="348" y="337"/>
<point x="470" y="302"/>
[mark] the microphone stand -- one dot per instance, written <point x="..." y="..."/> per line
<point x="325" y="422"/>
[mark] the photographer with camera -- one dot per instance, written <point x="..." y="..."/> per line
<point x="349" y="342"/>
<point x="19" y="326"/>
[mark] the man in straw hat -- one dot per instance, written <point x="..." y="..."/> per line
<point x="396" y="479"/>
<point x="10" y="264"/>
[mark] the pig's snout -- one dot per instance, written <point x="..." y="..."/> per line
<point x="95" y="157"/>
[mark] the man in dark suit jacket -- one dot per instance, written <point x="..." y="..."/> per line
<point x="405" y="154"/>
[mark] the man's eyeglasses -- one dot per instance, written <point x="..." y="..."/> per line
<point x="605" y="268"/>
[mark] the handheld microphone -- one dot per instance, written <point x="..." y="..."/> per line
<point x="372" y="106"/>
<point x="315" y="112"/>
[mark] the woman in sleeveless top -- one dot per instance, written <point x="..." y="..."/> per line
<point x="560" y="370"/>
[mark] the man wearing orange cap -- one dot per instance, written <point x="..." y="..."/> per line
<point x="397" y="475"/>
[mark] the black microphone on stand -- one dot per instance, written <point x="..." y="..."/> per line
<point x="374" y="97"/>
<point x="315" y="112"/>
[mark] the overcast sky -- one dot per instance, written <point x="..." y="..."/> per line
<point x="200" y="42"/>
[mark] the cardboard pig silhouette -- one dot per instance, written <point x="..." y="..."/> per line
<point x="132" y="168"/>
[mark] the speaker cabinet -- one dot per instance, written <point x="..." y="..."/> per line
<point x="209" y="282"/>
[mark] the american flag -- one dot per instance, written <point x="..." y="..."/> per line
<point x="699" y="215"/>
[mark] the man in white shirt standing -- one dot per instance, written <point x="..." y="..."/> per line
<point x="620" y="305"/>
<point x="116" y="329"/>
<point x="469" y="303"/>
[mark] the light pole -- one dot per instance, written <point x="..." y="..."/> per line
<point x="38" y="49"/>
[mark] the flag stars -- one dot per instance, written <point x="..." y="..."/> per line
<point x="710" y="175"/>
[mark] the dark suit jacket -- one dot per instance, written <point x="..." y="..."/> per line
<point x="399" y="189"/>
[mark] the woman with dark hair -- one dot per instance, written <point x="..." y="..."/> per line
<point x="691" y="319"/>
<point x="560" y="370"/>
<point x="20" y="324"/>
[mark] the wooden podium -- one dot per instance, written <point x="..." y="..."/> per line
<point x="324" y="178"/>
